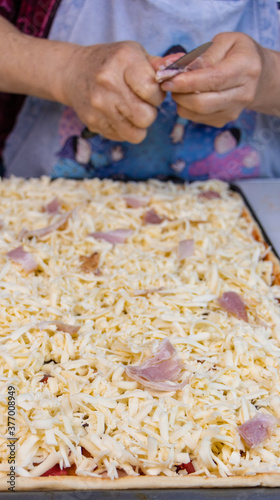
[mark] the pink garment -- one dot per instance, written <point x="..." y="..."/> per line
<point x="230" y="166"/>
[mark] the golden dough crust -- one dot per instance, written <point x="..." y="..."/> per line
<point x="258" y="236"/>
<point x="141" y="482"/>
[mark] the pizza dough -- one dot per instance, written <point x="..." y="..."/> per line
<point x="114" y="278"/>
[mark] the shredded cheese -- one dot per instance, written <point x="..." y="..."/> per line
<point x="87" y="401"/>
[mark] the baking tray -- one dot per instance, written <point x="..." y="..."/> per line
<point x="238" y="190"/>
<point x="190" y="494"/>
<point x="257" y="493"/>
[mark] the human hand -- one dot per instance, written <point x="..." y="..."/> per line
<point x="227" y="78"/>
<point x="112" y="89"/>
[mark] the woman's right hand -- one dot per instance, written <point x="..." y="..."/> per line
<point x="112" y="89"/>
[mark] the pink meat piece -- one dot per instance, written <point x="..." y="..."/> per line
<point x="139" y="293"/>
<point x="159" y="371"/>
<point x="121" y="473"/>
<point x="114" y="237"/>
<point x="62" y="327"/>
<point x="185" y="249"/>
<point x="55" y="471"/>
<point x="258" y="429"/>
<point x="209" y="195"/>
<point x="44" y="231"/>
<point x="53" y="207"/>
<point x="45" y="378"/>
<point x="25" y="259"/>
<point x="166" y="74"/>
<point x="1" y="224"/>
<point x="189" y="467"/>
<point x="151" y="217"/>
<point x="136" y="201"/>
<point x="233" y="304"/>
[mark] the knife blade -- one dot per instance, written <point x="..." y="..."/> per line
<point x="181" y="64"/>
<point x="185" y="60"/>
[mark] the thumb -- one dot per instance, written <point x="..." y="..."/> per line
<point x="219" y="49"/>
<point x="162" y="62"/>
<point x="155" y="62"/>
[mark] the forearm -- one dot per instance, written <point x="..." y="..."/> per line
<point x="267" y="99"/>
<point x="32" y="66"/>
<point x="111" y="87"/>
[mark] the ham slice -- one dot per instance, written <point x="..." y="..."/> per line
<point x="233" y="304"/>
<point x="55" y="471"/>
<point x="258" y="429"/>
<point x="185" y="249"/>
<point x="159" y="371"/>
<point x="62" y="327"/>
<point x="121" y="473"/>
<point x="209" y="195"/>
<point x="25" y="259"/>
<point x="136" y="201"/>
<point x="44" y="231"/>
<point x="166" y="74"/>
<point x="53" y="207"/>
<point x="139" y="293"/>
<point x="89" y="264"/>
<point x="151" y="217"/>
<point x="116" y="236"/>
<point x="187" y="467"/>
<point x="45" y="378"/>
<point x="86" y="453"/>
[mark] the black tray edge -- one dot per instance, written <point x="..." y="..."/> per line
<point x="238" y="190"/>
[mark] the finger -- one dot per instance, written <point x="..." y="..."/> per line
<point x="217" y="52"/>
<point x="127" y="130"/>
<point x="121" y="122"/>
<point x="162" y="62"/>
<point x="140" y="78"/>
<point x="131" y="134"/>
<point x="221" y="67"/>
<point x="104" y="128"/>
<point x="224" y="76"/>
<point x="120" y="131"/>
<point x="210" y="102"/>
<point x="156" y="62"/>
<point x="136" y="112"/>
<point x="218" y="120"/>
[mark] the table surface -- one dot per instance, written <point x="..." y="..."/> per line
<point x="264" y="197"/>
<point x="187" y="494"/>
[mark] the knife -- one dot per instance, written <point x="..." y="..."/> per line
<point x="186" y="59"/>
<point x="174" y="68"/>
<point x="181" y="63"/>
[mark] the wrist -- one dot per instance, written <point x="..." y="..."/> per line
<point x="267" y="97"/>
<point x="48" y="62"/>
<point x="69" y="57"/>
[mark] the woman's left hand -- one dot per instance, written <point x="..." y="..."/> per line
<point x="227" y="78"/>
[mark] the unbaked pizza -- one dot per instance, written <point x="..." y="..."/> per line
<point x="140" y="330"/>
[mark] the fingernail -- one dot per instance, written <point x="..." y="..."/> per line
<point x="167" y="86"/>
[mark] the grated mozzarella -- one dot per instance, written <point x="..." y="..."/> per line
<point x="142" y="295"/>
